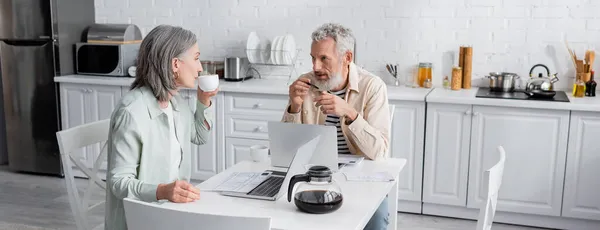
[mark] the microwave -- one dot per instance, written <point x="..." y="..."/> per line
<point x="105" y="59"/>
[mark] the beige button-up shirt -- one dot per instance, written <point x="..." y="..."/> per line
<point x="369" y="134"/>
<point x="139" y="148"/>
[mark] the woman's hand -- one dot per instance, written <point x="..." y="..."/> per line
<point x="204" y="97"/>
<point x="179" y="191"/>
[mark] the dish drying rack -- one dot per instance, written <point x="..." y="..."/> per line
<point x="279" y="63"/>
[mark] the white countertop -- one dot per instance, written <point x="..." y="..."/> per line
<point x="402" y="93"/>
<point x="95" y="80"/>
<point x="467" y="96"/>
<point x="263" y="86"/>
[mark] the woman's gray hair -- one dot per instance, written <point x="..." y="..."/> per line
<point x="343" y="37"/>
<point x="154" y="69"/>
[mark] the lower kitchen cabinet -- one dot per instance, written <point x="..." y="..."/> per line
<point x="204" y="157"/>
<point x="82" y="104"/>
<point x="238" y="149"/>
<point x="407" y="137"/>
<point x="583" y="159"/>
<point x="447" y="137"/>
<point x="535" y="141"/>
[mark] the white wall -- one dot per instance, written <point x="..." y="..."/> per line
<point x="506" y="35"/>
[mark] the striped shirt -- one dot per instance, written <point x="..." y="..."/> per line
<point x="333" y="120"/>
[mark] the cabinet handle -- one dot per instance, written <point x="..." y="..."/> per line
<point x="476" y="114"/>
<point x="257" y="105"/>
<point x="258" y="129"/>
<point x="468" y="112"/>
<point x="83" y="91"/>
<point x="90" y="90"/>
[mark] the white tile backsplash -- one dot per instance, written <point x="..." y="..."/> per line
<point x="510" y="35"/>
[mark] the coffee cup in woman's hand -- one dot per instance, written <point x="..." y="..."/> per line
<point x="178" y="192"/>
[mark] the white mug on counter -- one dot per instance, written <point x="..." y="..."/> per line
<point x="259" y="153"/>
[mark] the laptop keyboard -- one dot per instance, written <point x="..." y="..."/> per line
<point x="268" y="188"/>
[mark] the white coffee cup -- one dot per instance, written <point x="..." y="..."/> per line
<point x="208" y="83"/>
<point x="259" y="153"/>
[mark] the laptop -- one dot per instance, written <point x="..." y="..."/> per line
<point x="286" y="137"/>
<point x="270" y="185"/>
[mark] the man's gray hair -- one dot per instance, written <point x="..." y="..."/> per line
<point x="154" y="69"/>
<point x="343" y="37"/>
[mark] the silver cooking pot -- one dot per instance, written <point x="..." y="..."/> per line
<point x="503" y="81"/>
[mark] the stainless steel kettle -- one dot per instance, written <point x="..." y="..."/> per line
<point x="237" y="69"/>
<point x="545" y="83"/>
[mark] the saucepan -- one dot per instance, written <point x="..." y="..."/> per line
<point x="503" y="81"/>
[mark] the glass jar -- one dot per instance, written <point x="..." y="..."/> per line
<point x="219" y="68"/>
<point x="207" y="68"/>
<point x="424" y="72"/>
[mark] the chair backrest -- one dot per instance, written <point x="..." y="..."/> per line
<point x="141" y="215"/>
<point x="493" y="179"/>
<point x="392" y="109"/>
<point x="73" y="139"/>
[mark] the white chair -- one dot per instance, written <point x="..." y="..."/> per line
<point x="73" y="139"/>
<point x="141" y="215"/>
<point x="493" y="177"/>
<point x="392" y="109"/>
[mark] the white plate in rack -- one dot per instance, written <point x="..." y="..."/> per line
<point x="289" y="49"/>
<point x="265" y="50"/>
<point x="252" y="46"/>
<point x="280" y="51"/>
<point x="274" y="51"/>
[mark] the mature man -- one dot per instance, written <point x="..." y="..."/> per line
<point x="339" y="93"/>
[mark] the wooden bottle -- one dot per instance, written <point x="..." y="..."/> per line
<point x="467" y="68"/>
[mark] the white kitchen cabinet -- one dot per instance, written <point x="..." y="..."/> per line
<point x="245" y="122"/>
<point x="582" y="184"/>
<point x="238" y="150"/>
<point x="535" y="141"/>
<point x="204" y="157"/>
<point x="407" y="137"/>
<point x="446" y="154"/>
<point x="124" y="90"/>
<point x="81" y="104"/>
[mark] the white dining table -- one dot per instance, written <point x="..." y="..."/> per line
<point x="361" y="199"/>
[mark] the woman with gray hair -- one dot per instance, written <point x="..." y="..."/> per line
<point x="148" y="152"/>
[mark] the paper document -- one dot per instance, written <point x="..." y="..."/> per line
<point x="242" y="182"/>
<point x="372" y="177"/>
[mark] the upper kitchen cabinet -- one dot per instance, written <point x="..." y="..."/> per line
<point x="82" y="104"/>
<point x="205" y="157"/>
<point x="535" y="141"/>
<point x="583" y="157"/>
<point x="446" y="154"/>
<point x="407" y="135"/>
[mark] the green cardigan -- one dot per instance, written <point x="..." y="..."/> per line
<point x="138" y="148"/>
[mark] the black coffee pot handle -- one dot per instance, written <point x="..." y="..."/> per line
<point x="295" y="179"/>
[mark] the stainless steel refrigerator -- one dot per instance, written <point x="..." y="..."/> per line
<point x="37" y="40"/>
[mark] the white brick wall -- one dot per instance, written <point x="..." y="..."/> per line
<point x="507" y="35"/>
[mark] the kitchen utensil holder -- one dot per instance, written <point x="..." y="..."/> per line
<point x="277" y="59"/>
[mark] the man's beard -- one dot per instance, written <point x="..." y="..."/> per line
<point x="333" y="82"/>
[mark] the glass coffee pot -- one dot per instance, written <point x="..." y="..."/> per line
<point x="316" y="192"/>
